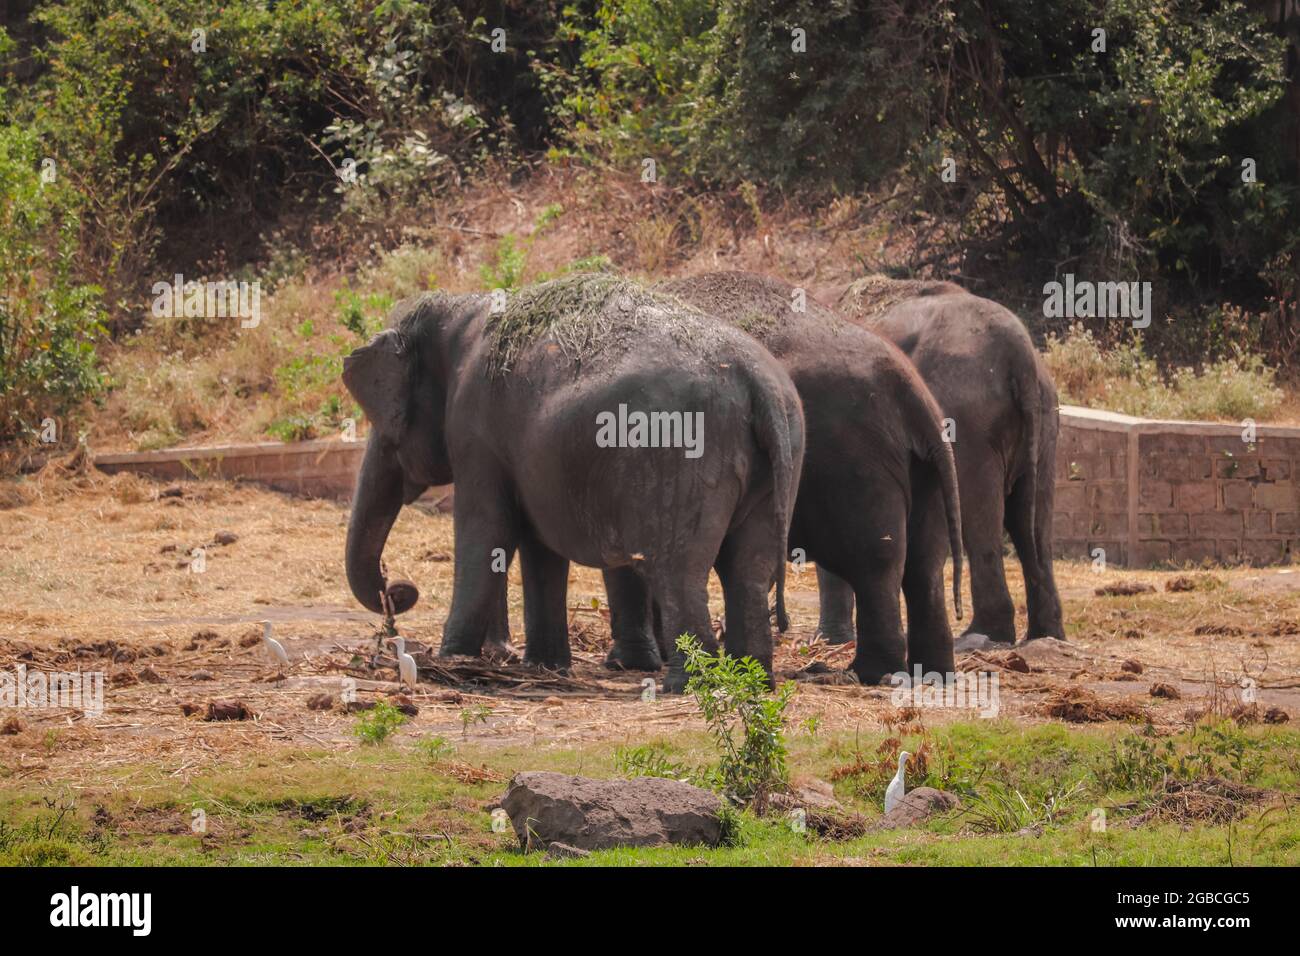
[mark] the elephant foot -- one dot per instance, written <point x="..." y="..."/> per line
<point x="675" y="679"/>
<point x="842" y="634"/>
<point x="634" y="657"/>
<point x="873" y="675"/>
<point x="461" y="648"/>
<point x="500" y="652"/>
<point x="559" y="665"/>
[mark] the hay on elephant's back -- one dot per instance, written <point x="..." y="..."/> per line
<point x="877" y="294"/>
<point x="581" y="314"/>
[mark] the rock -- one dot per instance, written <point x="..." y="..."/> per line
<point x="228" y="710"/>
<point x="404" y="704"/>
<point x="973" y="642"/>
<point x="1276" y="715"/>
<point x="1014" y="662"/>
<point x="562" y="851"/>
<point x="918" y="805"/>
<point x="547" y="808"/>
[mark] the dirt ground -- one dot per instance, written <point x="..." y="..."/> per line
<point x="94" y="575"/>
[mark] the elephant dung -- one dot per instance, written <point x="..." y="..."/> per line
<point x="547" y="808"/>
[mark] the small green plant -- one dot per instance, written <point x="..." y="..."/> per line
<point x="435" y="749"/>
<point x="377" y="724"/>
<point x="1137" y="763"/>
<point x="746" y="722"/>
<point x="362" y="315"/>
<point x="509" y="261"/>
<point x="999" y="808"/>
<point x="651" y="760"/>
<point x="469" y="716"/>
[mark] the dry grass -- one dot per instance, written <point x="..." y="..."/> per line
<point x="95" y="574"/>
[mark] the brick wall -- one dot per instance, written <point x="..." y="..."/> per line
<point x="316" y="469"/>
<point x="1148" y="492"/>
<point x="1155" y="493"/>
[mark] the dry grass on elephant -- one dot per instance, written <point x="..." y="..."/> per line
<point x="583" y="313"/>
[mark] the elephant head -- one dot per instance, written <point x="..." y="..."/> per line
<point x="397" y="379"/>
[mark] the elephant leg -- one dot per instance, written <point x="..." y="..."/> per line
<point x="546" y="620"/>
<point x="929" y="638"/>
<point x="486" y="538"/>
<point x="835" y="596"/>
<point x="746" y="569"/>
<point x="630" y="621"/>
<point x="496" y="643"/>
<point x="1034" y="549"/>
<point x="683" y="599"/>
<point x="882" y="649"/>
<point x="994" y="614"/>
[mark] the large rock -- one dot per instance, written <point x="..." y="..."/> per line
<point x="917" y="805"/>
<point x="547" y="808"/>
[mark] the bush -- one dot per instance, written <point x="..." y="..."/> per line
<point x="1125" y="379"/>
<point x="176" y="117"/>
<point x="377" y="724"/>
<point x="48" y="321"/>
<point x="746" y="722"/>
<point x="719" y="90"/>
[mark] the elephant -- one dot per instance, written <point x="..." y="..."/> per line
<point x="982" y="367"/>
<point x="589" y="420"/>
<point x="878" y="499"/>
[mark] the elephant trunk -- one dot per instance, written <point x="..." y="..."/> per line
<point x="375" y="505"/>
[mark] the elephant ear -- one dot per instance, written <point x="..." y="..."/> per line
<point x="379" y="377"/>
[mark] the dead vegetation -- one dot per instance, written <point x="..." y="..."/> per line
<point x="88" y="566"/>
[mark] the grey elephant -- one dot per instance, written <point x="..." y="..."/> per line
<point x="988" y="378"/>
<point x="592" y="421"/>
<point x="878" y="499"/>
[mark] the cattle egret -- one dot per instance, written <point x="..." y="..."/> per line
<point x="274" y="646"/>
<point x="897" y="786"/>
<point x="406" y="664"/>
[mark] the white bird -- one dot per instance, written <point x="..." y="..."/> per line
<point x="898" y="786"/>
<point x="406" y="664"/>
<point x="274" y="646"/>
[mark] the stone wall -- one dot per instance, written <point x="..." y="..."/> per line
<point x="1147" y="492"/>
<point x="1154" y="493"/>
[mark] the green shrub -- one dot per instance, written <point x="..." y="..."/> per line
<point x="377" y="724"/>
<point x="745" y="721"/>
<point x="48" y="321"/>
<point x="1125" y="379"/>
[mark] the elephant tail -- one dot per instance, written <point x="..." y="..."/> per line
<point x="775" y="424"/>
<point x="936" y="450"/>
<point x="946" y="465"/>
